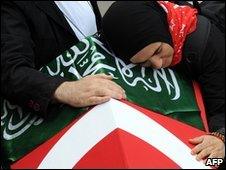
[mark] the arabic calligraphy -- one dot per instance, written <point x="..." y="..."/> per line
<point x="85" y="59"/>
<point x="92" y="61"/>
<point x="14" y="127"/>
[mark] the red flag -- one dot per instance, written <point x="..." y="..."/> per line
<point x="117" y="134"/>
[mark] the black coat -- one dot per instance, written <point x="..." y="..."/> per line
<point x="32" y="34"/>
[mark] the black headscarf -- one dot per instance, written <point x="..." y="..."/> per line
<point x="129" y="26"/>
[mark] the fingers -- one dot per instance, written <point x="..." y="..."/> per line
<point x="214" y="155"/>
<point x="101" y="92"/>
<point x="103" y="76"/>
<point x="147" y="64"/>
<point x="111" y="85"/>
<point x="196" y="140"/>
<point x="114" y="87"/>
<point x="97" y="100"/>
<point x="197" y="149"/>
<point x="207" y="146"/>
<point x="103" y="86"/>
<point x="91" y="90"/>
<point x="204" y="153"/>
<point x="155" y="62"/>
<point x="109" y="77"/>
<point x="139" y="59"/>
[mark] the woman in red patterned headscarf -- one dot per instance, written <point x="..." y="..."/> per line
<point x="161" y="34"/>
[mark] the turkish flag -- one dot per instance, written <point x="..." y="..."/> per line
<point x="117" y="134"/>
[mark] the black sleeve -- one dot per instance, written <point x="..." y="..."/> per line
<point x="212" y="79"/>
<point x="215" y="11"/>
<point x="20" y="81"/>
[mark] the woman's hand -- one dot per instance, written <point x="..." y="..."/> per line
<point x="208" y="146"/>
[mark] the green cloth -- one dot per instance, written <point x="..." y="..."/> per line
<point x="165" y="91"/>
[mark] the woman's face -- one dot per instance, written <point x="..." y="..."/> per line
<point x="156" y="55"/>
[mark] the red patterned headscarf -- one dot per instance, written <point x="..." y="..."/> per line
<point x="182" y="21"/>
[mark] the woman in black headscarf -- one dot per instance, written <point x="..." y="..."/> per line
<point x="160" y="34"/>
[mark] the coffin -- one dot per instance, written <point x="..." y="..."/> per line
<point x="150" y="129"/>
<point x="117" y="134"/>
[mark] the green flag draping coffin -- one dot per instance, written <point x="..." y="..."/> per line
<point x="165" y="91"/>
